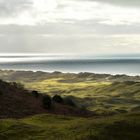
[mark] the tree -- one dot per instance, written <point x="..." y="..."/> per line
<point x="58" y="99"/>
<point x="17" y="85"/>
<point x="0" y="92"/>
<point x="69" y="101"/>
<point x="47" y="102"/>
<point x="35" y="93"/>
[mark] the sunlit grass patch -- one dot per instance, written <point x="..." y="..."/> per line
<point x="52" y="85"/>
<point x="92" y="94"/>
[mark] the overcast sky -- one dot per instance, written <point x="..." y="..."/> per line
<point x="70" y="26"/>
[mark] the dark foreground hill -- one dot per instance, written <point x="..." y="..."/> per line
<point x="16" y="102"/>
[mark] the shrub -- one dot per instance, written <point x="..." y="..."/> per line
<point x="17" y="85"/>
<point x="58" y="99"/>
<point x="0" y="92"/>
<point x="69" y="101"/>
<point x="47" y="102"/>
<point x="35" y="93"/>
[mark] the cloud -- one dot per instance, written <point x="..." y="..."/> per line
<point x="33" y="12"/>
<point x="80" y="44"/>
<point x="13" y="7"/>
<point x="130" y="3"/>
<point x="75" y="26"/>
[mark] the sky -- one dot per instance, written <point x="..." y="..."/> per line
<point x="97" y="27"/>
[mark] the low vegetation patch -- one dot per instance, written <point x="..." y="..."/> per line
<point x="52" y="127"/>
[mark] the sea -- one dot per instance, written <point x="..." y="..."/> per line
<point x="71" y="64"/>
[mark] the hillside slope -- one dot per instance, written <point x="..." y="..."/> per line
<point x="101" y="93"/>
<point x="52" y="127"/>
<point x="17" y="102"/>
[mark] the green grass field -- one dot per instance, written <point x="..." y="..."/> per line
<point x="101" y="97"/>
<point x="115" y="103"/>
<point x="101" y="93"/>
<point x="55" y="127"/>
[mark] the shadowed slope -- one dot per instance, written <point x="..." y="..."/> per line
<point x="17" y="102"/>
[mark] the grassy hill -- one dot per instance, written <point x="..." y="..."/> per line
<point x="101" y="97"/>
<point x="17" y="102"/>
<point x="55" y="127"/>
<point x="30" y="76"/>
<point x="101" y="93"/>
<point x="115" y="104"/>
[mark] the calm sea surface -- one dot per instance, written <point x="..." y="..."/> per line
<point x="71" y="64"/>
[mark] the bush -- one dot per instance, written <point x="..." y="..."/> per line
<point x="69" y="101"/>
<point x="35" y="93"/>
<point x="58" y="99"/>
<point x="47" y="102"/>
<point x="17" y="85"/>
<point x="0" y="92"/>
